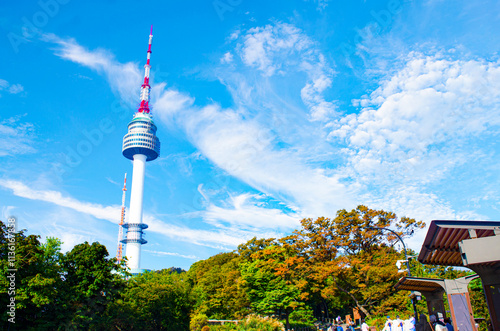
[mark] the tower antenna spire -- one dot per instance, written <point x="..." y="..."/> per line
<point x="145" y="87"/>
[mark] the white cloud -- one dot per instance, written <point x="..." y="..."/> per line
<point x="167" y="103"/>
<point x="220" y="238"/>
<point x="312" y="96"/>
<point x="16" y="137"/>
<point x="98" y="211"/>
<point x="10" y="88"/>
<point x="123" y="78"/>
<point x="161" y="253"/>
<point x="245" y="150"/>
<point x="16" y="88"/>
<point x="244" y="212"/>
<point x="263" y="46"/>
<point x="422" y="114"/>
<point x="281" y="48"/>
<point x="423" y="124"/>
<point x="227" y="58"/>
<point x="112" y="214"/>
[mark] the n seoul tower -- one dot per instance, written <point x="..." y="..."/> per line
<point x="140" y="145"/>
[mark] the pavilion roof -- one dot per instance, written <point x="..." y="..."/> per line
<point x="440" y="246"/>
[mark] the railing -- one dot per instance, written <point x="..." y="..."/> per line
<point x="221" y="322"/>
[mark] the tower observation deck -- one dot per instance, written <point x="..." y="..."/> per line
<point x="140" y="145"/>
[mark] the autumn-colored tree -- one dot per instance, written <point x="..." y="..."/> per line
<point x="349" y="257"/>
<point x="272" y="278"/>
<point x="252" y="246"/>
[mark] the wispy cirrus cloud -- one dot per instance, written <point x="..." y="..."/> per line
<point x="162" y="253"/>
<point x="246" y="150"/>
<point x="16" y="137"/>
<point x="249" y="211"/>
<point x="220" y="238"/>
<point x="123" y="77"/>
<point x="96" y="210"/>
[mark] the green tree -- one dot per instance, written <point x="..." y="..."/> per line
<point x="37" y="280"/>
<point x="92" y="281"/>
<point x="216" y="290"/>
<point x="153" y="301"/>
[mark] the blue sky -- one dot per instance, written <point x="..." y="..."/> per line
<point x="267" y="111"/>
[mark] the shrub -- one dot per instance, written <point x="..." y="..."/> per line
<point x="255" y="322"/>
<point x="224" y="327"/>
<point x="302" y="316"/>
<point x="198" y="322"/>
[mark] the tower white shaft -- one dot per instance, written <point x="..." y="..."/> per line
<point x="135" y="210"/>
<point x="137" y="195"/>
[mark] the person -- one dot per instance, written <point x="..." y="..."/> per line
<point x="437" y="324"/>
<point x="364" y="326"/>
<point x="448" y="325"/>
<point x="440" y="318"/>
<point x="409" y="324"/>
<point x="388" y="324"/>
<point x="350" y="327"/>
<point x="397" y="324"/>
<point x="338" y="320"/>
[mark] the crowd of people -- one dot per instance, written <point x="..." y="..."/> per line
<point x="435" y="323"/>
<point x="399" y="324"/>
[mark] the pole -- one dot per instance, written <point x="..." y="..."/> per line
<point x="414" y="304"/>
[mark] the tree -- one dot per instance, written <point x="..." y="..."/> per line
<point x="348" y="259"/>
<point x="92" y="281"/>
<point x="478" y="302"/>
<point x="273" y="281"/>
<point x="153" y="301"/>
<point x="37" y="280"/>
<point x="216" y="288"/>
